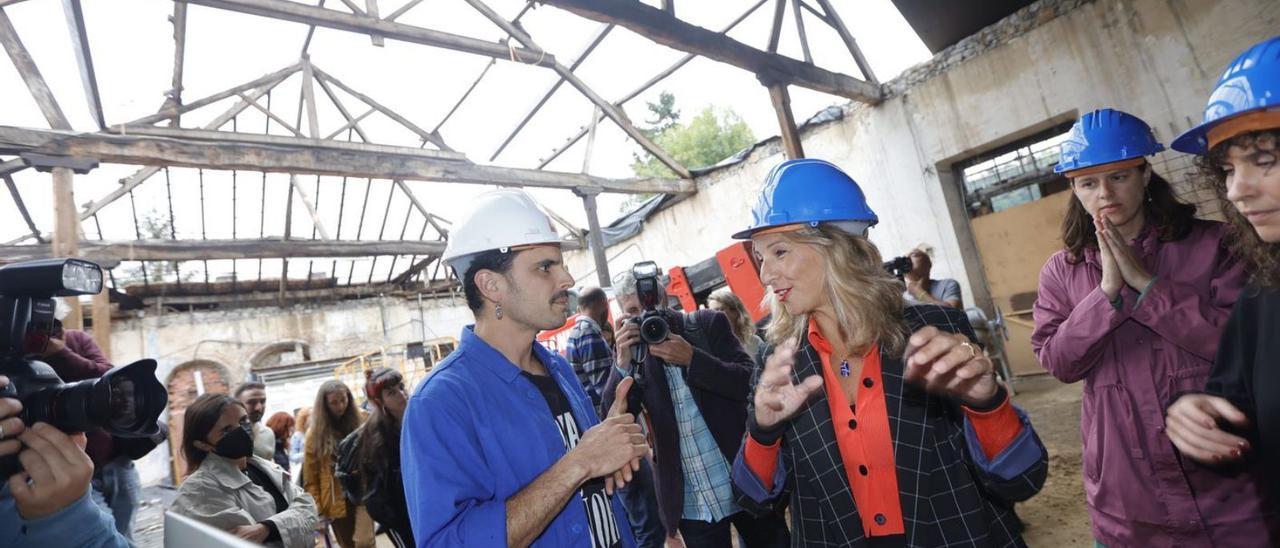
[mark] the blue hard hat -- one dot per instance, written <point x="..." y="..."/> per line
<point x="1251" y="82"/>
<point x="809" y="191"/>
<point x="1105" y="136"/>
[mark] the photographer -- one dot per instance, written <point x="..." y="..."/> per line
<point x="921" y="289"/>
<point x="49" y="504"/>
<point x="694" y="386"/>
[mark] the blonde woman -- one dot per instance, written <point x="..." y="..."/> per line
<point x="884" y="422"/>
<point x="333" y="418"/>
<point x="725" y="301"/>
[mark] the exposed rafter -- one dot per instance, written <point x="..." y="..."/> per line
<point x="84" y="58"/>
<point x="665" y="29"/>
<point x="109" y="253"/>
<point x="31" y="74"/>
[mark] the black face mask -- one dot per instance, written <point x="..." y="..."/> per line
<point x="236" y="444"/>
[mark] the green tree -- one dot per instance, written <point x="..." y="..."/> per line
<point x="711" y="136"/>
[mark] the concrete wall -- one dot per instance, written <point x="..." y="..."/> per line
<point x="1049" y="62"/>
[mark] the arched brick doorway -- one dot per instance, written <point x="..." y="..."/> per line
<point x="185" y="383"/>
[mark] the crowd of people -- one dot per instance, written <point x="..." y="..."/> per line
<point x="865" y="413"/>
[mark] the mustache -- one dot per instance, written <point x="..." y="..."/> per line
<point x="561" y="295"/>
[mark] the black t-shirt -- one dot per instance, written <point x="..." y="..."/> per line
<point x="604" y="528"/>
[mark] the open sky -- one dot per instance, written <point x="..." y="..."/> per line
<point x="132" y="48"/>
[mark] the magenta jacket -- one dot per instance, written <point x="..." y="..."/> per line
<point x="1133" y="361"/>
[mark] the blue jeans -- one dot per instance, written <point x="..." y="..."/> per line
<point x="641" y="504"/>
<point x="116" y="488"/>
<point x="768" y="531"/>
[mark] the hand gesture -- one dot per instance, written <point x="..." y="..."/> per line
<point x="1192" y="426"/>
<point x="614" y="447"/>
<point x="1112" y="279"/>
<point x="949" y="365"/>
<point x="625" y="336"/>
<point x="777" y="399"/>
<point x="56" y="471"/>
<point x="675" y="351"/>
<point x="256" y="533"/>
<point x="1132" y="271"/>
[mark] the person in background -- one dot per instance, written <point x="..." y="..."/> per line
<point x="724" y="300"/>
<point x="116" y="486"/>
<point x="281" y="425"/>
<point x="49" y="503"/>
<point x="1134" y="306"/>
<point x="231" y="488"/>
<point x="1233" y="424"/>
<point x="921" y="289"/>
<point x="253" y="395"/>
<point x="297" y="442"/>
<point x="884" y="422"/>
<point x="378" y="454"/>
<point x="333" y="417"/>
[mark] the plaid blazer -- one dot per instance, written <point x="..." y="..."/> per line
<point x="946" y="499"/>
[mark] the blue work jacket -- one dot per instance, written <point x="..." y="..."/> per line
<point x="476" y="432"/>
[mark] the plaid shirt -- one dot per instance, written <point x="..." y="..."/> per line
<point x="951" y="496"/>
<point x="590" y="356"/>
<point x="708" y="489"/>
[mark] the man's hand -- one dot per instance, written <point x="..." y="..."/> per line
<point x="949" y="365"/>
<point x="613" y="447"/>
<point x="626" y="336"/>
<point x="252" y="533"/>
<point x="675" y="351"/>
<point x="56" y="471"/>
<point x="777" y="399"/>
<point x="1192" y="426"/>
<point x="916" y="289"/>
<point x="55" y="345"/>
<point x="10" y="424"/>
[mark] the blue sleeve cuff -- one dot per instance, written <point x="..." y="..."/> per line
<point x="81" y="523"/>
<point x="1019" y="456"/>
<point x="751" y="486"/>
<point x="1144" y="291"/>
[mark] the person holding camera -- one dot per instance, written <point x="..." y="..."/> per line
<point x="692" y="376"/>
<point x="501" y="446"/>
<point x="884" y="422"/>
<point x="48" y="504"/>
<point x="1134" y="306"/>
<point x="921" y="289"/>
<point x="231" y="488"/>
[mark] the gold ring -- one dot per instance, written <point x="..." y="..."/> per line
<point x="973" y="352"/>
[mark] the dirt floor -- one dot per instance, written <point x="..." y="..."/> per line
<point x="1057" y="516"/>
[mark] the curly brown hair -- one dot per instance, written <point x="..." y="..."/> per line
<point x="1171" y="217"/>
<point x="1262" y="259"/>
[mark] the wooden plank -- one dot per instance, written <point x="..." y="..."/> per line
<point x="311" y="208"/>
<point x="309" y="96"/>
<point x="84" y="58"/>
<point x="268" y="80"/>
<point x="371" y="8"/>
<point x="12" y="166"/>
<point x="433" y="138"/>
<point x="834" y="20"/>
<point x="31" y="74"/>
<point x="238" y="137"/>
<point x="309" y="159"/>
<point x="662" y="28"/>
<point x="102" y="321"/>
<point x="804" y="37"/>
<point x="775" y="31"/>
<point x="179" y="20"/>
<point x="597" y="240"/>
<point x="582" y="132"/>
<point x="786" y="121"/>
<point x="321" y="17"/>
<point x="617" y="115"/>
<point x="22" y="208"/>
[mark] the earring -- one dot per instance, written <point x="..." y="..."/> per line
<point x="497" y="310"/>
<point x="1148" y="195"/>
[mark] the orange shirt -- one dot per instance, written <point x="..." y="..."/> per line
<point x="866" y="443"/>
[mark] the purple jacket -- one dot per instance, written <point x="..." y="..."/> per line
<point x="1133" y="361"/>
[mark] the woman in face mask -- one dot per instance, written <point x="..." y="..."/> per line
<point x="233" y="490"/>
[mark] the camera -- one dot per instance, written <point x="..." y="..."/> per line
<point x="899" y="267"/>
<point x="125" y="402"/>
<point x="652" y="322"/>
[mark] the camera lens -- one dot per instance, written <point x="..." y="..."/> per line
<point x="654" y="330"/>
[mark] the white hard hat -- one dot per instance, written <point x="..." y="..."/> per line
<point x="499" y="220"/>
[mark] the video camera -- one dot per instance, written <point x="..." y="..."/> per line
<point x="125" y="402"/>
<point x="899" y="267"/>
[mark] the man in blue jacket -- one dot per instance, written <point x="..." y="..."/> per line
<point x="501" y="445"/>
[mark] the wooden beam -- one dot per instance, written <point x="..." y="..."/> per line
<point x="264" y="298"/>
<point x="311" y="208"/>
<point x="264" y="82"/>
<point x="401" y="10"/>
<point x="834" y="20"/>
<point x="321" y="17"/>
<point x="309" y="96"/>
<point x="775" y="31"/>
<point x="371" y="9"/>
<point x="102" y="321"/>
<point x="597" y="240"/>
<point x="804" y="37"/>
<point x="258" y="138"/>
<point x="31" y="74"/>
<point x="111" y="253"/>
<point x="432" y="219"/>
<point x="270" y="114"/>
<point x="431" y="137"/>
<point x="591" y="46"/>
<point x="22" y="208"/>
<point x="786" y="121"/>
<point x="771" y="68"/>
<point x="617" y="115"/>
<point x="12" y="166"/>
<point x="179" y="20"/>
<point x="66" y="233"/>
<point x="84" y="58"/>
<point x="309" y="157"/>
<point x="352" y="122"/>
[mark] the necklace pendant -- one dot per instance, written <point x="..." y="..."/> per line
<point x="844" y="368"/>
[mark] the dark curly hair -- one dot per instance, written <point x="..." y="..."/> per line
<point x="1171" y="217"/>
<point x="1262" y="259"/>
